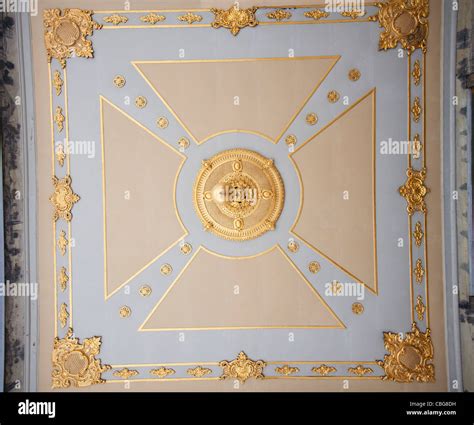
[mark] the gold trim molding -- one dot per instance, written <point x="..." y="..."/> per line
<point x="76" y="364"/>
<point x="234" y="18"/>
<point x="242" y="368"/>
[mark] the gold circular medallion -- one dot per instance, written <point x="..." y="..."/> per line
<point x="140" y="102"/>
<point x="119" y="81"/>
<point x="162" y="122"/>
<point x="239" y="194"/>
<point x="311" y="118"/>
<point x="186" y="248"/>
<point x="314" y="267"/>
<point x="354" y="74"/>
<point x="357" y="308"/>
<point x="125" y="311"/>
<point x="145" y="291"/>
<point x="166" y="269"/>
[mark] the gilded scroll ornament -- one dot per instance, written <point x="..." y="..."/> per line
<point x="311" y="118"/>
<point x="314" y="267"/>
<point x="420" y="308"/>
<point x="316" y="14"/>
<point x="63" y="198"/>
<point x="360" y="370"/>
<point x="76" y="364"/>
<point x="66" y="32"/>
<point x="145" y="290"/>
<point x="286" y="370"/>
<point x="353" y="14"/>
<point x="418" y="234"/>
<point x="63" y="315"/>
<point x="354" y="74"/>
<point x="242" y="368"/>
<point x="333" y="96"/>
<point x="63" y="278"/>
<point x="238" y="194"/>
<point x="409" y="358"/>
<point x="62" y="242"/>
<point x="162" y="372"/>
<point x="419" y="271"/>
<point x="199" y="371"/>
<point x="416" y="73"/>
<point x="119" y="81"/>
<point x="190" y="18"/>
<point x="234" y="18"/>
<point x="323" y="370"/>
<point x="357" y="308"/>
<point x="58" y="82"/>
<point x="59" y="118"/>
<point x="416" y="109"/>
<point x="414" y="190"/>
<point x="152" y="18"/>
<point x="125" y="373"/>
<point x="405" y="22"/>
<point x="116" y="19"/>
<point x="125" y="311"/>
<point x="60" y="155"/>
<point x="279" y="15"/>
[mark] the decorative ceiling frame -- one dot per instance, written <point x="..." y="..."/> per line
<point x="67" y="35"/>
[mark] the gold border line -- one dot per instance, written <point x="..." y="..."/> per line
<point x="425" y="251"/>
<point x="102" y="99"/>
<point x="256" y="133"/>
<point x="202" y="248"/>
<point x="410" y="223"/>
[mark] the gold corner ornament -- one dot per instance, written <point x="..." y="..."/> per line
<point x="66" y="32"/>
<point x="76" y="364"/>
<point x="234" y="18"/>
<point x="63" y="198"/>
<point x="405" y="22"/>
<point x="238" y="194"/>
<point x="409" y="358"/>
<point x="242" y="368"/>
<point x="414" y="190"/>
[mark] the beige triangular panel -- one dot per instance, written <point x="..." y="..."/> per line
<point x="140" y="217"/>
<point x="338" y="174"/>
<point x="259" y="292"/>
<point x="203" y="94"/>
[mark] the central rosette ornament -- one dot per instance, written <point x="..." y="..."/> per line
<point x="239" y="194"/>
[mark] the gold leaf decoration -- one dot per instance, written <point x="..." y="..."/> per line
<point x="409" y="358"/>
<point x="59" y="118"/>
<point x="418" y="234"/>
<point x="234" y="18"/>
<point x="62" y="242"/>
<point x="60" y="155"/>
<point x="416" y="109"/>
<point x="354" y="74"/>
<point x="66" y="32"/>
<point x="119" y="81"/>
<point x="291" y="140"/>
<point x="414" y="190"/>
<point x="63" y="278"/>
<point x="311" y="118"/>
<point x="316" y="14"/>
<point x="58" y="82"/>
<point x="183" y="143"/>
<point x="314" y="267"/>
<point x="333" y="96"/>
<point x="323" y="370"/>
<point x="63" y="315"/>
<point x="405" y="22"/>
<point x="357" y="308"/>
<point x="242" y="368"/>
<point x="293" y="246"/>
<point x="353" y="14"/>
<point x="199" y="371"/>
<point x="140" y="102"/>
<point x="419" y="271"/>
<point x="116" y="19"/>
<point x="125" y="311"/>
<point x="162" y="372"/>
<point x="166" y="269"/>
<point x="63" y="198"/>
<point x="145" y="291"/>
<point x="152" y="18"/>
<point x="162" y="122"/>
<point x="186" y="248"/>
<point x="76" y="364"/>
<point x="286" y="370"/>
<point x="125" y="373"/>
<point x="190" y="18"/>
<point x="416" y="73"/>
<point x="360" y="370"/>
<point x="420" y="308"/>
<point x="279" y="15"/>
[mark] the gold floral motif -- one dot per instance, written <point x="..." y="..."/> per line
<point x="119" y="81"/>
<point x="140" y="102"/>
<point x="419" y="271"/>
<point x="333" y="96"/>
<point x="183" y="143"/>
<point x="58" y="82"/>
<point x="420" y="308"/>
<point x="63" y="315"/>
<point x="63" y="198"/>
<point x="286" y="370"/>
<point x="409" y="357"/>
<point x="62" y="242"/>
<point x="316" y="14"/>
<point x="199" y="371"/>
<point x="166" y="269"/>
<point x="59" y="118"/>
<point x="66" y="32"/>
<point x="234" y="18"/>
<point x="354" y="74"/>
<point x="414" y="190"/>
<point x="145" y="290"/>
<point x="291" y="140"/>
<point x="279" y="15"/>
<point x="416" y="73"/>
<point x="125" y="373"/>
<point x="152" y="18"/>
<point x="416" y="109"/>
<point x="323" y="370"/>
<point x="360" y="370"/>
<point x="75" y="364"/>
<point x="162" y="372"/>
<point x="190" y="18"/>
<point x="314" y="267"/>
<point x="63" y="278"/>
<point x="162" y="122"/>
<point x="116" y="19"/>
<point x="125" y="311"/>
<point x="242" y="368"/>
<point x="186" y="248"/>
<point x="357" y="308"/>
<point x="404" y="22"/>
<point x="60" y="155"/>
<point x="418" y="234"/>
<point x="311" y="118"/>
<point x="293" y="246"/>
<point x="353" y="14"/>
